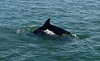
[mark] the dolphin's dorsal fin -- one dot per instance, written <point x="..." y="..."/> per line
<point x="47" y="22"/>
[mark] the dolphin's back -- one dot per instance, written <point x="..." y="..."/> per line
<point x="58" y="30"/>
<point x="52" y="28"/>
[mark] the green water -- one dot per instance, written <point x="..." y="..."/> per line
<point x="19" y="17"/>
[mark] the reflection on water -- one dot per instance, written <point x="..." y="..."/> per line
<point x="19" y="17"/>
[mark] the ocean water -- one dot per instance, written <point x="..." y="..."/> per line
<point x="19" y="17"/>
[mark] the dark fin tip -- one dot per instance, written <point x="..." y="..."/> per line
<point x="47" y="22"/>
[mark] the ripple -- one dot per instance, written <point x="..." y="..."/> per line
<point x="19" y="17"/>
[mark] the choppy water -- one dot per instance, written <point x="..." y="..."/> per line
<point x="19" y="17"/>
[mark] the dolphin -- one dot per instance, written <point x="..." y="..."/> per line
<point x="52" y="30"/>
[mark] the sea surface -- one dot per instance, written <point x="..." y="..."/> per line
<point x="19" y="17"/>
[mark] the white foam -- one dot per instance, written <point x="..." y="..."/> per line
<point x="49" y="32"/>
<point x="74" y="35"/>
